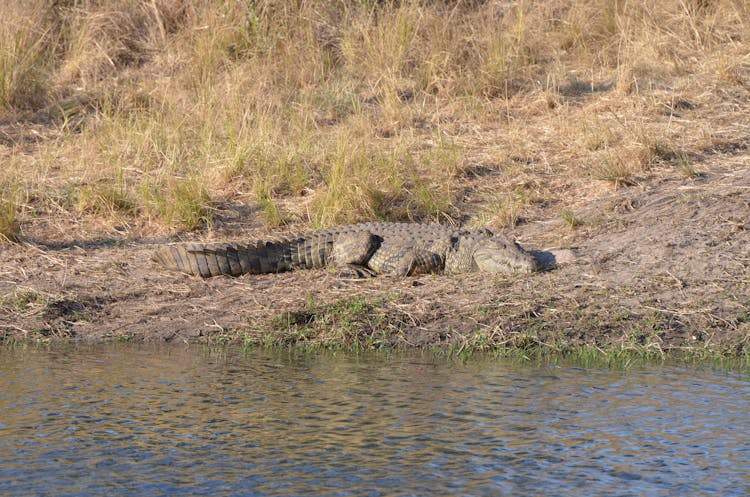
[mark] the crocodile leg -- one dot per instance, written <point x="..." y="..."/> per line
<point x="352" y="252"/>
<point x="397" y="260"/>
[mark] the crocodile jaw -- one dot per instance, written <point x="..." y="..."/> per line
<point x="503" y="256"/>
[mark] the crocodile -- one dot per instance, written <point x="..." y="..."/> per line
<point x="357" y="250"/>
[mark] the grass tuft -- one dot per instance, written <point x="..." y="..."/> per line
<point x="686" y="168"/>
<point x="185" y="203"/>
<point x="26" y="52"/>
<point x="10" y="226"/>
<point x="613" y="170"/>
<point x="270" y="210"/>
<point x="104" y="199"/>
<point x="505" y="211"/>
<point x="571" y="219"/>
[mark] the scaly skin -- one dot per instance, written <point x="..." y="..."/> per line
<point x="394" y="249"/>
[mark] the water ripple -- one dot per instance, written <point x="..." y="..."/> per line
<point x="164" y="421"/>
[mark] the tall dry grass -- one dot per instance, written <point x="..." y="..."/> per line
<point x="326" y="112"/>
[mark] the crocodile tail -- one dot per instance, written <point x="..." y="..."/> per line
<point x="199" y="259"/>
<point x="234" y="259"/>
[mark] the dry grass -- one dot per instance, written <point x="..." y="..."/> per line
<point x="25" y="55"/>
<point x="9" y="212"/>
<point x="321" y="113"/>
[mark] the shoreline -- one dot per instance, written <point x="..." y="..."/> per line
<point x="658" y="276"/>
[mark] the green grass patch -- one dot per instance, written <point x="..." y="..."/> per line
<point x="571" y="219"/>
<point x="354" y="324"/>
<point x="24" y="299"/>
<point x="614" y="170"/>
<point x="182" y="202"/>
<point x="104" y="198"/>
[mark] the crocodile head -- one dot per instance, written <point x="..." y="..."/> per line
<point x="498" y="254"/>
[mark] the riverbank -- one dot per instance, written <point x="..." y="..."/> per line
<point x="661" y="266"/>
<point x="621" y="148"/>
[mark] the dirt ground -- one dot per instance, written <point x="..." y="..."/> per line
<point x="664" y="264"/>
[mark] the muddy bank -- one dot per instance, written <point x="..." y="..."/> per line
<point x="664" y="264"/>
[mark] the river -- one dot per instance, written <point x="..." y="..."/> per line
<point x="124" y="420"/>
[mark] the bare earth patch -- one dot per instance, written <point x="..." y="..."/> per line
<point x="664" y="264"/>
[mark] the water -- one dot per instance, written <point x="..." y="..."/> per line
<point x="141" y="421"/>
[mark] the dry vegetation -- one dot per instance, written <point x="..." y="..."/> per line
<point x="130" y="119"/>
<point x="147" y="115"/>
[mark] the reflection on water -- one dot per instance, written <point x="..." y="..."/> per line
<point x="176" y="421"/>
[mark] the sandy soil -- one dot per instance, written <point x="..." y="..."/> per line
<point x="664" y="264"/>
